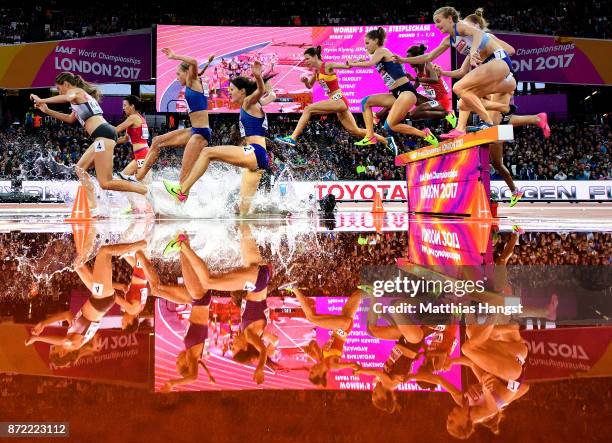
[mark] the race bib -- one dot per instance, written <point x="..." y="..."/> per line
<point x="140" y="162"/>
<point x="97" y="289"/>
<point x="248" y="149"/>
<point x="145" y="131"/>
<point x="144" y="293"/>
<point x="513" y="385"/>
<point x="341" y="332"/>
<point x="249" y="286"/>
<point x="91" y="331"/>
<point x="99" y="146"/>
<point x="433" y="103"/>
<point x="337" y="96"/>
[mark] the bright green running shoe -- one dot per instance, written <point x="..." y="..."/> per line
<point x="516" y="196"/>
<point x="175" y="191"/>
<point x="366" y="141"/>
<point x="175" y="244"/>
<point x="430" y="137"/>
<point x="452" y="119"/>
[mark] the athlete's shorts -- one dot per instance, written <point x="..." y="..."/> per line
<point x="204" y="132"/>
<point x="338" y="95"/>
<point x="140" y="156"/>
<point x="446" y="103"/>
<point x="406" y="87"/>
<point x="105" y="131"/>
<point x="500" y="54"/>
<point x="263" y="159"/>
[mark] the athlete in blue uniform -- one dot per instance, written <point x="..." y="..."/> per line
<point x="199" y="135"/>
<point x="252" y="157"/>
<point x="399" y="85"/>
<point x="490" y="61"/>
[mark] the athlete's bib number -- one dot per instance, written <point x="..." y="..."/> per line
<point x="337" y="96"/>
<point x="248" y="149"/>
<point x="97" y="289"/>
<point x="389" y="81"/>
<point x="144" y="293"/>
<point x="140" y="162"/>
<point x="145" y="132"/>
<point x="91" y="331"/>
<point x="249" y="286"/>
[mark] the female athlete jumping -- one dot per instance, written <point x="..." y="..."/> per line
<point x="199" y="135"/>
<point x="252" y="157"/>
<point x="335" y="104"/>
<point x="83" y="99"/>
<point x="395" y="79"/>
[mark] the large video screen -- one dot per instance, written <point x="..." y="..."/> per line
<point x="289" y="365"/>
<point x="280" y="50"/>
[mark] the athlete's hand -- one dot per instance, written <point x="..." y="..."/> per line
<point x="34" y="98"/>
<point x="168" y="52"/>
<point x="396" y="58"/>
<point x="304" y="79"/>
<point x="37" y="329"/>
<point x="258" y="376"/>
<point x="437" y="68"/>
<point x="42" y="107"/>
<point x="256" y="68"/>
<point x="488" y="382"/>
<point x="475" y="59"/>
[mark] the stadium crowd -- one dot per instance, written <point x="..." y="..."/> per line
<point x="575" y="151"/>
<point x="50" y="19"/>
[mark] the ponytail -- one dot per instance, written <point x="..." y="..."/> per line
<point x="77" y="81"/>
<point x="313" y="52"/>
<point x="477" y="18"/>
<point x="379" y="34"/>
<point x="415" y="51"/>
<point x="134" y="101"/>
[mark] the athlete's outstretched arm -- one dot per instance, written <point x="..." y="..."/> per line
<point x="261" y="87"/>
<point x="66" y="118"/>
<point x="378" y="55"/>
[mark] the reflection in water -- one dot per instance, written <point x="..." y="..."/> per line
<point x="258" y="306"/>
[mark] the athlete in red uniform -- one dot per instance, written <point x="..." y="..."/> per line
<point x="137" y="134"/>
<point x="328" y="357"/>
<point x="136" y="296"/>
<point x="336" y="104"/>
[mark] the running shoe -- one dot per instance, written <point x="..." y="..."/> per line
<point x="454" y="133"/>
<point x="175" y="191"/>
<point x="506" y="115"/>
<point x="392" y="145"/>
<point x="366" y="288"/>
<point x="451" y="118"/>
<point x="470" y="129"/>
<point x="516" y="196"/>
<point x="287" y="140"/>
<point x="175" y="244"/>
<point x="543" y="124"/>
<point x="288" y="286"/>
<point x="129" y="178"/>
<point x="518" y="230"/>
<point x="430" y="137"/>
<point x="366" y="141"/>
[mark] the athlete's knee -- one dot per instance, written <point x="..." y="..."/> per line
<point x="459" y="88"/>
<point x="462" y="105"/>
<point x="105" y="183"/>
